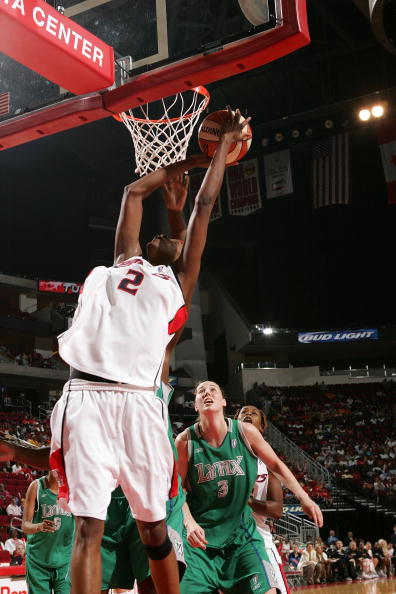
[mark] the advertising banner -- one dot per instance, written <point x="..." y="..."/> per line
<point x="243" y="188"/>
<point x="278" y="174"/>
<point x="41" y="38"/>
<point x="59" y="287"/>
<point x="338" y="336"/>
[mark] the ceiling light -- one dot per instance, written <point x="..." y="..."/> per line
<point x="364" y="114"/>
<point x="377" y="111"/>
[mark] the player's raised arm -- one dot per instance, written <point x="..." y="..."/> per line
<point x="231" y="131"/>
<point x="127" y="242"/>
<point x="263" y="450"/>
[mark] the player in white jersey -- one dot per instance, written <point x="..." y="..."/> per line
<point x="267" y="498"/>
<point x="108" y="429"/>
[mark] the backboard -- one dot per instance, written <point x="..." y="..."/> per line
<point x="173" y="45"/>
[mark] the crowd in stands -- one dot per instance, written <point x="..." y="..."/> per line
<point x="350" y="429"/>
<point x="320" y="419"/>
<point x="65" y="309"/>
<point x="334" y="560"/>
<point x="31" y="359"/>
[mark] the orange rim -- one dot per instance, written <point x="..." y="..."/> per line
<point x="202" y="90"/>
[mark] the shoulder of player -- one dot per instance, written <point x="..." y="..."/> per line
<point x="32" y="489"/>
<point x="182" y="437"/>
<point x="249" y="430"/>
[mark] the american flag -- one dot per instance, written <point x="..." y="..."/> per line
<point x="4" y="103"/>
<point x="331" y="171"/>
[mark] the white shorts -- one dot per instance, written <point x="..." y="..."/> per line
<point x="276" y="565"/>
<point x="108" y="435"/>
<point x="275" y="560"/>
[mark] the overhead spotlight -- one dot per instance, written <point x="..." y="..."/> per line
<point x="329" y="124"/>
<point x="308" y="132"/>
<point x="364" y="115"/>
<point x="377" y="111"/>
<point x="268" y="331"/>
<point x="264" y="142"/>
<point x="296" y="133"/>
<point x="279" y="137"/>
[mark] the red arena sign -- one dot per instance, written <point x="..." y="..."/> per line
<point x="59" y="287"/>
<point x="55" y="46"/>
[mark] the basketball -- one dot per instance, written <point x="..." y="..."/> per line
<point x="208" y="137"/>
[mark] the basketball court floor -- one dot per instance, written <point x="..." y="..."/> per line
<point x="381" y="586"/>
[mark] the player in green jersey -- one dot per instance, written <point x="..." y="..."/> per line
<point x="50" y="532"/>
<point x="218" y="466"/>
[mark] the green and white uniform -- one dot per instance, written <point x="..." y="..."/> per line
<point x="48" y="554"/>
<point x="220" y="481"/>
<point x="124" y="557"/>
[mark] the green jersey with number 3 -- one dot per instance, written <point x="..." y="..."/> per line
<point x="220" y="481"/>
<point x="50" y="549"/>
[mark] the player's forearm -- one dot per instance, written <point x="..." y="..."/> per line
<point x="177" y="224"/>
<point x="144" y="186"/>
<point x="187" y="515"/>
<point x="268" y="509"/>
<point x="31" y="528"/>
<point x="213" y="180"/>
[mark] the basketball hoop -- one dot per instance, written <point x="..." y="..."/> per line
<point x="161" y="142"/>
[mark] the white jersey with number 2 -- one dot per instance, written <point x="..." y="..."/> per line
<point x="125" y="318"/>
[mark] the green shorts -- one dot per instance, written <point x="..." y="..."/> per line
<point x="241" y="567"/>
<point x="124" y="557"/>
<point x="44" y="580"/>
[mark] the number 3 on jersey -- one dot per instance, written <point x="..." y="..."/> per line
<point x="127" y="284"/>
<point x="223" y="488"/>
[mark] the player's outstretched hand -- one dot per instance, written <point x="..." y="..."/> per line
<point x="196" y="535"/>
<point x="312" y="510"/>
<point x="47" y="526"/>
<point x="6" y="451"/>
<point x="174" y="192"/>
<point x="233" y="125"/>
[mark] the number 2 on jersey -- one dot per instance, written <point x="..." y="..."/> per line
<point x="127" y="284"/>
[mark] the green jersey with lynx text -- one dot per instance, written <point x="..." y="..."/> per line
<point x="220" y="481"/>
<point x="50" y="549"/>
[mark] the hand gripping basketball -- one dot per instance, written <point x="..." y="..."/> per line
<point x="222" y="122"/>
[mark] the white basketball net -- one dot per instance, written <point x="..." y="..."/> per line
<point x="164" y="141"/>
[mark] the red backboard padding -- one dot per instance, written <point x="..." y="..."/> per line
<point x="38" y="36"/>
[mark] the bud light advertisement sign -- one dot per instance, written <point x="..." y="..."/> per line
<point x="338" y="336"/>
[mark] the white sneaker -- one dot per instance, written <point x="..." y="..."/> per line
<point x="373" y="575"/>
<point x="349" y="579"/>
<point x="366" y="576"/>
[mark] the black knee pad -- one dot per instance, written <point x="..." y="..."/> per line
<point x="161" y="551"/>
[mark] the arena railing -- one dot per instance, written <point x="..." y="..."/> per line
<point x="296" y="456"/>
